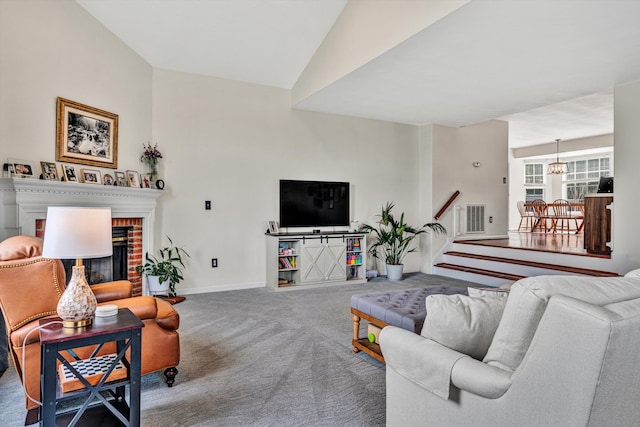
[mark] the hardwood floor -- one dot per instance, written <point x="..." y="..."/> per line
<point x="544" y="242"/>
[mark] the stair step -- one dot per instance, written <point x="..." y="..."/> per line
<point x="480" y="271"/>
<point x="565" y="268"/>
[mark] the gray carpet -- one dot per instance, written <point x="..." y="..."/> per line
<point x="262" y="358"/>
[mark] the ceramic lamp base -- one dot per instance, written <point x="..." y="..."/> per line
<point x="77" y="304"/>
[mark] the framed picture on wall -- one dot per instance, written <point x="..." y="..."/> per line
<point x="91" y="176"/>
<point x="121" y="179"/>
<point x="49" y="171"/>
<point x="133" y="179"/>
<point x="86" y="135"/>
<point x="69" y="173"/>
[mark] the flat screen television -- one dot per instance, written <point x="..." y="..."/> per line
<point x="314" y="203"/>
<point x="605" y="185"/>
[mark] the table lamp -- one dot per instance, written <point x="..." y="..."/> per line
<point x="77" y="232"/>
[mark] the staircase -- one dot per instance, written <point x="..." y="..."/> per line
<point x="494" y="266"/>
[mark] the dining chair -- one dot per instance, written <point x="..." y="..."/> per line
<point x="540" y="214"/>
<point x="526" y="216"/>
<point x="562" y="216"/>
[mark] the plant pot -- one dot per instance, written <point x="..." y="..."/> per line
<point x="157" y="288"/>
<point x="394" y="272"/>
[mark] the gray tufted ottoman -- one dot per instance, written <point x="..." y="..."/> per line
<point x="403" y="308"/>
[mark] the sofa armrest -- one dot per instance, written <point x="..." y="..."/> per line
<point x="418" y="359"/>
<point x="112" y="290"/>
<point x="479" y="378"/>
<point x="143" y="307"/>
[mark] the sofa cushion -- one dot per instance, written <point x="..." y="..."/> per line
<point x="463" y="323"/>
<point x="528" y="300"/>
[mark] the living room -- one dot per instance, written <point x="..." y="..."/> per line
<point x="217" y="131"/>
<point x="231" y="142"/>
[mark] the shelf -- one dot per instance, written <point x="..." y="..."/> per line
<point x="312" y="260"/>
<point x="371" y="348"/>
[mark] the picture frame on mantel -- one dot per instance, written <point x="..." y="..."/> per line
<point x="86" y="135"/>
<point x="49" y="171"/>
<point x="22" y="168"/>
<point x="91" y="176"/>
<point x="69" y="173"/>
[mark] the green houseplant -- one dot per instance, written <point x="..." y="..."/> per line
<point x="391" y="239"/>
<point x="165" y="270"/>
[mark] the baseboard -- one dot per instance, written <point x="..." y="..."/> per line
<point x="219" y="288"/>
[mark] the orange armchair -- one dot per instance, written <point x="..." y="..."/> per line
<point x="30" y="287"/>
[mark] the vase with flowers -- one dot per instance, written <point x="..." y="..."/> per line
<point x="150" y="156"/>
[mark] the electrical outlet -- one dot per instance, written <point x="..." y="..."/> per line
<point x="214" y="262"/>
<point x="207" y="205"/>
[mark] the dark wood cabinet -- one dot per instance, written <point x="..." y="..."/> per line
<point x="597" y="223"/>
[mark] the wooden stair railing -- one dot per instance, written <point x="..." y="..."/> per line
<point x="446" y="205"/>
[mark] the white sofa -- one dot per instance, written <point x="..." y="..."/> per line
<point x="566" y="352"/>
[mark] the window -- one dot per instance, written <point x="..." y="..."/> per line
<point x="534" y="174"/>
<point x="533" y="194"/>
<point x="583" y="177"/>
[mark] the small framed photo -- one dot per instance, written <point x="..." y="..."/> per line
<point x="49" y="171"/>
<point x="146" y="180"/>
<point x="69" y="173"/>
<point x="91" y="176"/>
<point x="121" y="179"/>
<point x="107" y="179"/>
<point x="133" y="179"/>
<point x="23" y="168"/>
<point x="273" y="227"/>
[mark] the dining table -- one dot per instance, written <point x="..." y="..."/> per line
<point x="547" y="213"/>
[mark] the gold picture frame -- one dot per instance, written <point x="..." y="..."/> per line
<point x="86" y="135"/>
<point x="91" y="176"/>
<point x="69" y="173"/>
<point x="49" y="171"/>
<point x="133" y="178"/>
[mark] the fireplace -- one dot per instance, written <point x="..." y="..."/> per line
<point x="25" y="203"/>
<point x="127" y="254"/>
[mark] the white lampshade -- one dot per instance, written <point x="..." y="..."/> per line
<point x="78" y="233"/>
<point x="73" y="232"/>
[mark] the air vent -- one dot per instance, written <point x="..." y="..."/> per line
<point x="475" y="219"/>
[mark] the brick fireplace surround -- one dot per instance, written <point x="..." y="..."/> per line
<point x="134" y="247"/>
<point x="24" y="202"/>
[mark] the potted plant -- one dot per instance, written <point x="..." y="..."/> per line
<point x="391" y="239"/>
<point x="165" y="272"/>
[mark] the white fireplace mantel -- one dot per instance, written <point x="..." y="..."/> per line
<point x="23" y="201"/>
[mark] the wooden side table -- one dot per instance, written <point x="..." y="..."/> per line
<point x="125" y="330"/>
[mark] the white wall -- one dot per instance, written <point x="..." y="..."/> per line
<point x="627" y="177"/>
<point x="230" y="142"/>
<point x="55" y="48"/>
<point x="454" y="152"/>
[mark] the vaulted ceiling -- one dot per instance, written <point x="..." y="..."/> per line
<point x="547" y="66"/>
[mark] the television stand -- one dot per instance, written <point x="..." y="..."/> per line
<point x="298" y="260"/>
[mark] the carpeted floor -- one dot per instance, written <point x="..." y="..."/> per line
<point x="262" y="358"/>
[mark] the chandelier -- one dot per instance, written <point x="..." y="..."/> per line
<point x="557" y="167"/>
